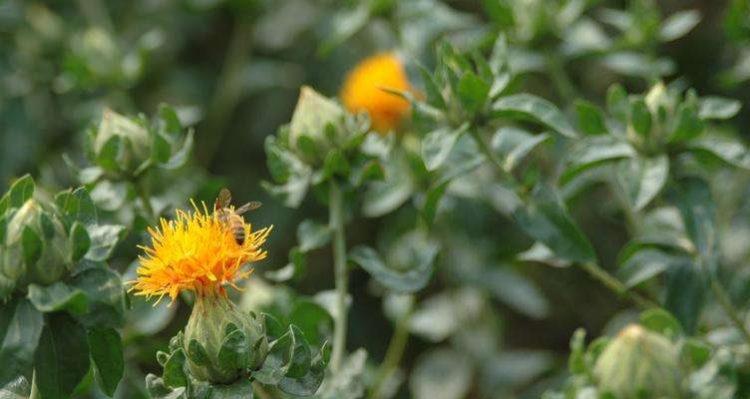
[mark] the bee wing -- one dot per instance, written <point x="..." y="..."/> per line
<point x="223" y="200"/>
<point x="250" y="206"/>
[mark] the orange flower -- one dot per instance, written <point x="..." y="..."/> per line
<point x="196" y="252"/>
<point x="363" y="90"/>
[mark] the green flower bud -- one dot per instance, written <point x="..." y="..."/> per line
<point x="639" y="363"/>
<point x="221" y="342"/>
<point x="314" y="121"/>
<point x="36" y="246"/>
<point x="121" y="144"/>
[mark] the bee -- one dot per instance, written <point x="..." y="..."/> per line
<point x="232" y="218"/>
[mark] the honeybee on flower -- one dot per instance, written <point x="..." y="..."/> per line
<point x="199" y="251"/>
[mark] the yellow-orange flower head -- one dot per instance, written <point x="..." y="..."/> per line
<point x="196" y="252"/>
<point x="363" y="90"/>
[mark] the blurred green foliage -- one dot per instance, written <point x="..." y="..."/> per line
<point x="566" y="162"/>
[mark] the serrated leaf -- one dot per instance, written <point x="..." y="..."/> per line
<point x="174" y="370"/>
<point x="534" y="108"/>
<point x="234" y="353"/>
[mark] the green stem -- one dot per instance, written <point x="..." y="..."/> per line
<point x="143" y="194"/>
<point x="228" y="88"/>
<point x="336" y="214"/>
<point x="394" y="353"/>
<point x="614" y="285"/>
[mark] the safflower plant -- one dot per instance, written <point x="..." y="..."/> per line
<point x="499" y="199"/>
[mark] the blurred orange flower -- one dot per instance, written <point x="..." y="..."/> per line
<point x="362" y="90"/>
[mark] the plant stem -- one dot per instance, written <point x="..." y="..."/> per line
<point x="614" y="285"/>
<point x="591" y="268"/>
<point x="336" y="214"/>
<point x="229" y="88"/>
<point x="394" y="352"/>
<point x="726" y="304"/>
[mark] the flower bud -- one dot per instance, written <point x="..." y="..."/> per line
<point x="134" y="143"/>
<point x="221" y="342"/>
<point x="639" y="363"/>
<point x="313" y="115"/>
<point x="36" y="246"/>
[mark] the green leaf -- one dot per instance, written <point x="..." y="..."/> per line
<point x="727" y="149"/>
<point x="383" y="197"/>
<point x="544" y="218"/>
<point x="432" y="201"/>
<point x="514" y="144"/>
<point x="689" y="125"/>
<point x="640" y="117"/>
<point x="617" y="102"/>
<point x="32" y="246"/>
<point x="62" y="358"/>
<point x="643" y="179"/>
<point x="234" y="353"/>
<point x="20" y="191"/>
<point x="58" y="297"/>
<point x="105" y="293"/>
<point x="301" y="356"/>
<point x="536" y="109"/>
<point x="174" y="370"/>
<point x="79" y="241"/>
<point x="429" y="378"/>
<point x="434" y="96"/>
<point x="76" y="205"/>
<point x="679" y="24"/>
<point x="242" y="389"/>
<point x="594" y="151"/>
<point x="181" y="156"/>
<point x="108" y="157"/>
<point x="438" y="144"/>
<point x="644" y="264"/>
<point x="718" y="108"/>
<point x="590" y="118"/>
<point x="312" y="319"/>
<point x="278" y="360"/>
<point x="106" y="353"/>
<point x="160" y="148"/>
<point x="21" y="328"/>
<point x="312" y="235"/>
<point x="685" y="294"/>
<point x="104" y="238"/>
<point x="405" y="281"/>
<point x="514" y="290"/>
<point x="472" y="91"/>
<point x="693" y="198"/>
<point x="197" y="353"/>
<point x="577" y="359"/>
<point x="660" y="321"/>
